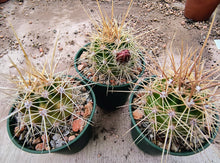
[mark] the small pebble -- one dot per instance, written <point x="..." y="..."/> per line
<point x="88" y="109"/>
<point x="80" y="67"/>
<point x="60" y="143"/>
<point x="40" y="147"/>
<point x="56" y="137"/>
<point x="164" y="46"/>
<point x="60" y="48"/>
<point x="77" y="125"/>
<point x="36" y="141"/>
<point x="45" y="138"/>
<point x="41" y="50"/>
<point x="138" y="114"/>
<point x="52" y="143"/>
<point x="67" y="132"/>
<point x="72" y="137"/>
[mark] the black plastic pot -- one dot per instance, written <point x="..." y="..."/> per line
<point x="145" y="144"/>
<point x="72" y="147"/>
<point x="108" y="97"/>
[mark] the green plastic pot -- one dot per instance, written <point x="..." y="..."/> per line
<point x="72" y="147"/>
<point x="145" y="144"/>
<point x="108" y="97"/>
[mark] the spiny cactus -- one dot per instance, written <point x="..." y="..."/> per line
<point x="178" y="109"/>
<point x="48" y="107"/>
<point x="113" y="56"/>
<point x="51" y="108"/>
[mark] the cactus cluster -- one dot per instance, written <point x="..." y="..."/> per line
<point x="113" y="56"/>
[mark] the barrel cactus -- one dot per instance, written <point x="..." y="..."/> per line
<point x="113" y="56"/>
<point x="178" y="108"/>
<point x="50" y="109"/>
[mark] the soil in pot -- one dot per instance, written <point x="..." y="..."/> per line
<point x="111" y="92"/>
<point x="68" y="137"/>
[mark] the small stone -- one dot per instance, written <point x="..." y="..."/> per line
<point x="41" y="50"/>
<point x="83" y="89"/>
<point x="60" y="48"/>
<point x="72" y="137"/>
<point x="45" y="138"/>
<point x="18" y="130"/>
<point x="205" y="27"/>
<point x="47" y="148"/>
<point x="80" y="67"/>
<point x="138" y="114"/>
<point x="72" y="42"/>
<point x="88" y="109"/>
<point x="1" y="36"/>
<point x="164" y="46"/>
<point x="94" y="78"/>
<point x="77" y="125"/>
<point x="174" y="147"/>
<point x="36" y="141"/>
<point x="22" y="135"/>
<point x="67" y="132"/>
<point x="52" y="143"/>
<point x="30" y="22"/>
<point x="183" y="23"/>
<point x="40" y="147"/>
<point x="113" y="82"/>
<point x="59" y="143"/>
<point x="56" y="137"/>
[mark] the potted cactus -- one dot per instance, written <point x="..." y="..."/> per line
<point x="52" y="111"/>
<point x="176" y="111"/>
<point x="111" y="62"/>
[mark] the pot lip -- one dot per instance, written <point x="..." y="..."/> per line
<point x="11" y="136"/>
<point x="151" y="143"/>
<point x="79" y="53"/>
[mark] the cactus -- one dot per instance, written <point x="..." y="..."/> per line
<point x="178" y="109"/>
<point x="113" y="56"/>
<point x="51" y="108"/>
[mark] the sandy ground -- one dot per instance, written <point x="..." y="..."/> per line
<point x="38" y="23"/>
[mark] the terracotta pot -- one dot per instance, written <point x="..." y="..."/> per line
<point x="199" y="10"/>
<point x="1" y="1"/>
